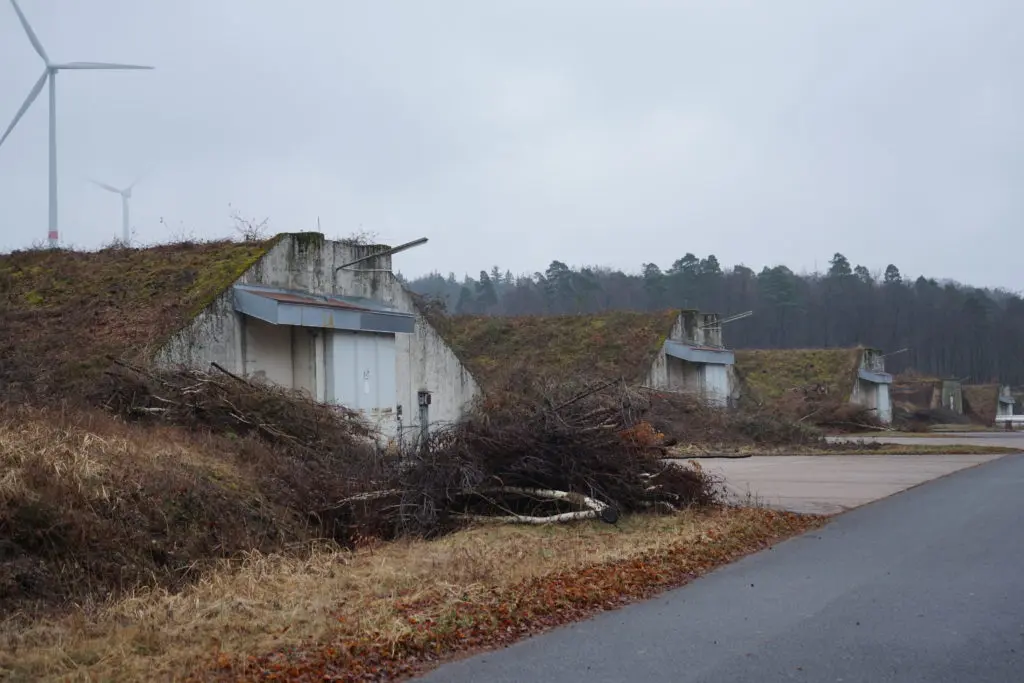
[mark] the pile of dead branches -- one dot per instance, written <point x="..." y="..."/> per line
<point x="685" y="419"/>
<point x="535" y="455"/>
<point x="221" y="402"/>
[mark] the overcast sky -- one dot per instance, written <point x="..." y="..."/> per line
<point x="512" y="133"/>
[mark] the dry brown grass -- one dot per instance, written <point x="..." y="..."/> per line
<point x="769" y="374"/>
<point x="271" y="601"/>
<point x="851" y="448"/>
<point x="932" y="449"/>
<point x="612" y="345"/>
<point x="91" y="506"/>
<point x="981" y="402"/>
<point x="65" y="311"/>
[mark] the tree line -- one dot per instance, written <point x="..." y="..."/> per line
<point x="940" y="328"/>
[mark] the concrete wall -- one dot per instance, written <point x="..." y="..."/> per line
<point x="883" y="403"/>
<point x="424" y="362"/>
<point x="715" y="384"/>
<point x="216" y="334"/>
<point x="685" y="377"/>
<point x="710" y="333"/>
<point x="875" y="396"/>
<point x="952" y="396"/>
<point x="268" y="352"/>
<point x="304" y="372"/>
<point x="1006" y="402"/>
<point x="658" y="376"/>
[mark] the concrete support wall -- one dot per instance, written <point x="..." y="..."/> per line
<point x="304" y="375"/>
<point x="874" y="396"/>
<point x="658" y="377"/>
<point x="685" y="377"/>
<point x="216" y="334"/>
<point x="268" y="352"/>
<point x="716" y="385"/>
<point x="884" y="403"/>
<point x="952" y="397"/>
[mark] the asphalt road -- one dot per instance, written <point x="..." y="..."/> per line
<point x="827" y="484"/>
<point x="925" y="585"/>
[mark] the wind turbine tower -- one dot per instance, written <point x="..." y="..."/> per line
<point x="126" y="194"/>
<point x="50" y="76"/>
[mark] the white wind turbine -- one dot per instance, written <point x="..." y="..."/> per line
<point x="126" y="194"/>
<point x="50" y="73"/>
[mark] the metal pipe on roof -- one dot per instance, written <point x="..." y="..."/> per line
<point x="386" y="252"/>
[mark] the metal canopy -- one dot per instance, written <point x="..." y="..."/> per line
<point x="874" y="377"/>
<point x="699" y="354"/>
<point x="302" y="309"/>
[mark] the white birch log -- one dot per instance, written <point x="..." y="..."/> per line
<point x="527" y="519"/>
<point x="548" y="494"/>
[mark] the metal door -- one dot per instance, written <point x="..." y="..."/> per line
<point x="361" y="370"/>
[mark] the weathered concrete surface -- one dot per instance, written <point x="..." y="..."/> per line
<point x="923" y="587"/>
<point x="831" y="483"/>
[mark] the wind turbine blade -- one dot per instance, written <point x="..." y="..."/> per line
<point x="31" y="34"/>
<point x="105" y="186"/>
<point x="32" y="95"/>
<point x="98" y="65"/>
<point x="134" y="182"/>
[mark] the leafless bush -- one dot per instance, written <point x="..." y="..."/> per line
<point x="685" y="419"/>
<point x="187" y="468"/>
<point x="512" y="458"/>
<point x="222" y="402"/>
<point x="250" y="229"/>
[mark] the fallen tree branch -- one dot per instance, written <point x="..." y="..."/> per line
<point x="526" y="519"/>
<point x="546" y="494"/>
<point x="217" y="366"/>
<point x="369" y="495"/>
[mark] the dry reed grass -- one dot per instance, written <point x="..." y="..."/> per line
<point x="91" y="506"/>
<point x="271" y="601"/>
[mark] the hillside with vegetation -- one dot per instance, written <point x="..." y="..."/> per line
<point x="154" y="520"/>
<point x="948" y="329"/>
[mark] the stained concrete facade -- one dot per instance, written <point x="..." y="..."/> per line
<point x="349" y="335"/>
<point x="693" y="360"/>
<point x="871" y="387"/>
<point x="952" y="396"/>
<point x="1006" y="402"/>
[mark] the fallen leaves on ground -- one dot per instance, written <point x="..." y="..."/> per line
<point x="440" y="628"/>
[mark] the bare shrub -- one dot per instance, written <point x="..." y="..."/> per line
<point x="685" y="419"/>
<point x="250" y="229"/>
<point x="531" y="438"/>
<point x="91" y="506"/>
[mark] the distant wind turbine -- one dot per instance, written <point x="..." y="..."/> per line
<point x="50" y="73"/>
<point x="126" y="194"/>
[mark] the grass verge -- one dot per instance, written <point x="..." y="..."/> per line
<point x="847" y="448"/>
<point x="388" y="609"/>
<point x="912" y="449"/>
<point x="925" y="449"/>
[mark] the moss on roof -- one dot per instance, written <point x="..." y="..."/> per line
<point x="981" y="402"/>
<point x="619" y="344"/>
<point x="64" y="312"/>
<point x="767" y="374"/>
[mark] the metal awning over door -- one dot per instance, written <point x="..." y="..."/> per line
<point x="699" y="354"/>
<point x="303" y="309"/>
